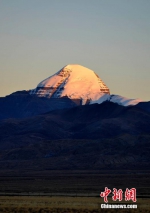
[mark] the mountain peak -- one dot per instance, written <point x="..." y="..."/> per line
<point x="76" y="68"/>
<point x="74" y="81"/>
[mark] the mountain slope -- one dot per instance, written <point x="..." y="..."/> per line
<point x="144" y="105"/>
<point x="94" y="136"/>
<point x="90" y="121"/>
<point x="21" y="105"/>
<point x="116" y="99"/>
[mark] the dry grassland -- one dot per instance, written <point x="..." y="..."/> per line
<point x="45" y="204"/>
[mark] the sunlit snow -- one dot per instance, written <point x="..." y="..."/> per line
<point x="78" y="82"/>
<point x="74" y="81"/>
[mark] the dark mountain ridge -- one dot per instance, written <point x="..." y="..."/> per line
<point x="144" y="105"/>
<point x="98" y="136"/>
<point x="84" y="122"/>
<point x="21" y="105"/>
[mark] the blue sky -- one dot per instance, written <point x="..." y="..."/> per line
<point x="111" y="37"/>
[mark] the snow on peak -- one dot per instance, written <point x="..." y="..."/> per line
<point x="74" y="81"/>
<point x="78" y="82"/>
<point x="116" y="99"/>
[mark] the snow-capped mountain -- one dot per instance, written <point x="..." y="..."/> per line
<point x="78" y="82"/>
<point x="74" y="81"/>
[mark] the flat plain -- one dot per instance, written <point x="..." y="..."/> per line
<point x="70" y="191"/>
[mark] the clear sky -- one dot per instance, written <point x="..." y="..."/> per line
<point x="111" y="37"/>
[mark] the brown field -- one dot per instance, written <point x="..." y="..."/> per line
<point x="41" y="204"/>
<point x="70" y="191"/>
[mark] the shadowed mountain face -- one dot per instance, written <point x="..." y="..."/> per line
<point x="21" y="105"/>
<point x="85" y="137"/>
<point x="144" y="105"/>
